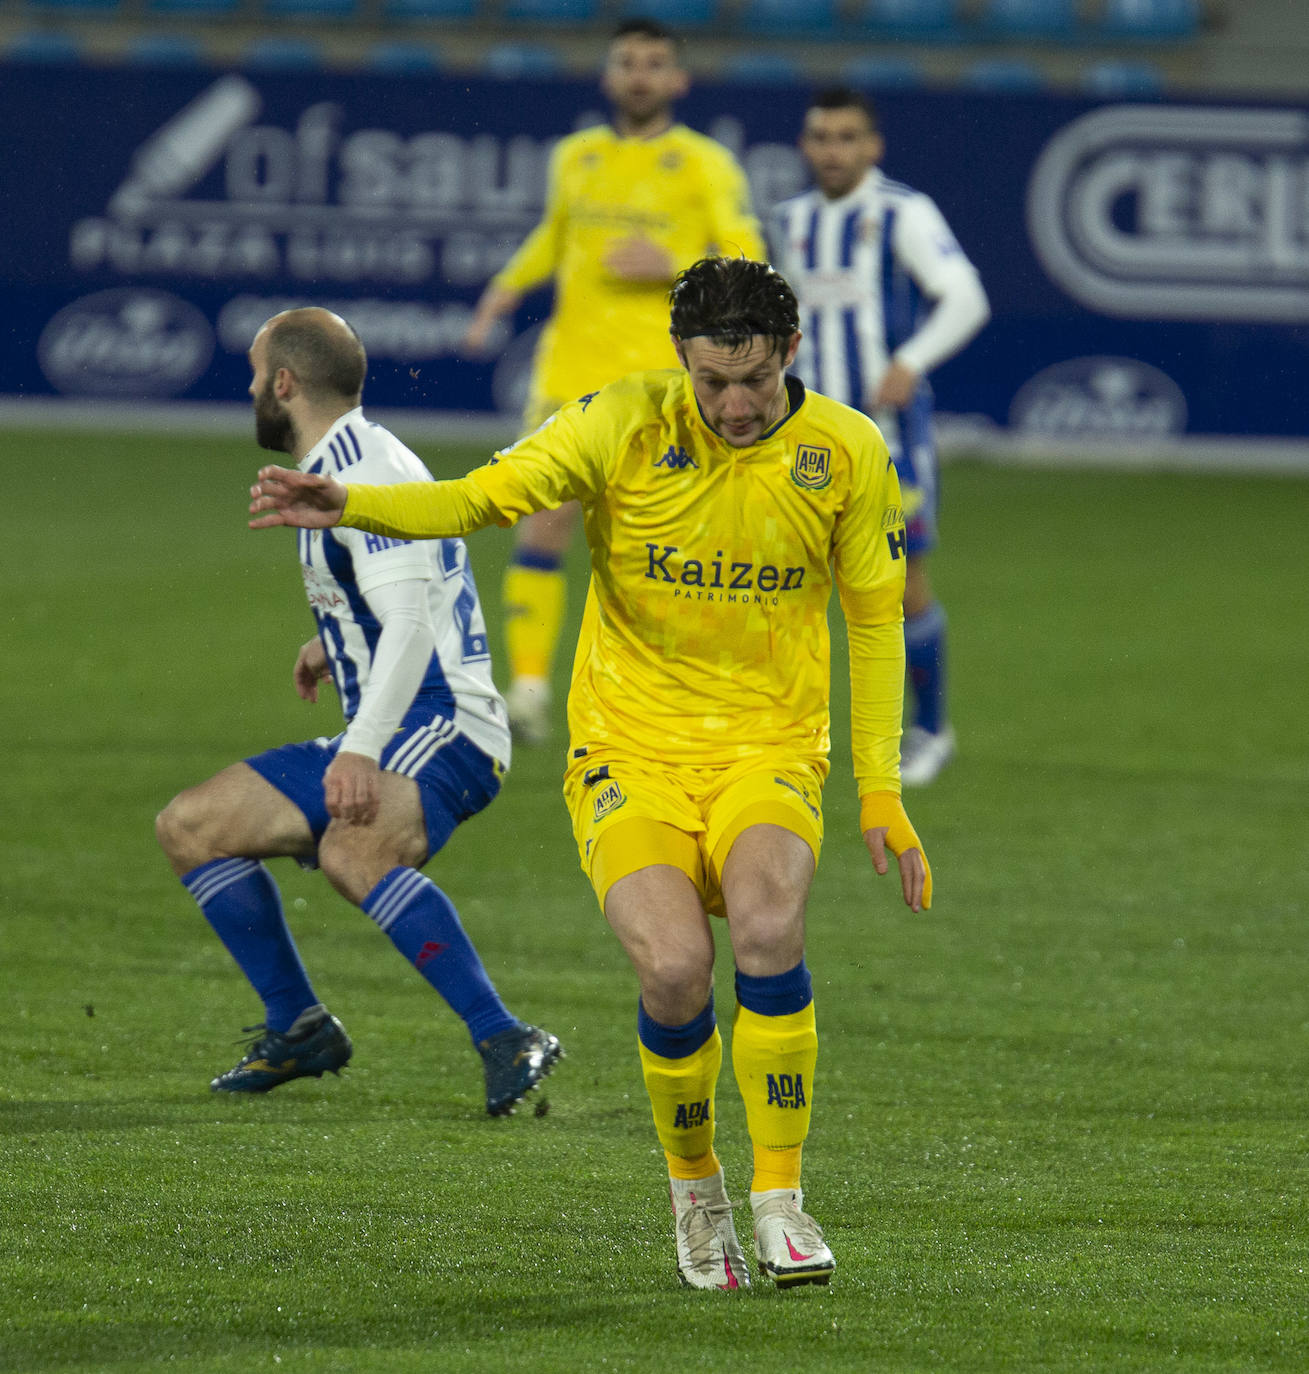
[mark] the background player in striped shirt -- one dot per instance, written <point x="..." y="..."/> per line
<point x="400" y="634"/>
<point x="722" y="503"/>
<point x="629" y="203"/>
<point x="886" y="294"/>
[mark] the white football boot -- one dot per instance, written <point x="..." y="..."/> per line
<point x="788" y="1242"/>
<point x="708" y="1252"/>
<point x="528" y="700"/>
<point x="923" y="755"/>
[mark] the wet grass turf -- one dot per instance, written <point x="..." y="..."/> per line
<point x="1060" y="1119"/>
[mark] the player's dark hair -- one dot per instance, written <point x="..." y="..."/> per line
<point x="642" y="27"/>
<point x="730" y="301"/>
<point x="327" y="361"/>
<point x="845" y="98"/>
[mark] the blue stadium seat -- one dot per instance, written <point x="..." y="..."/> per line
<point x="283" y="54"/>
<point x="762" y="68"/>
<point x="551" y="11"/>
<point x="165" y="50"/>
<point x="1115" y="80"/>
<point x="400" y="58"/>
<point x="794" y="18"/>
<point x="199" y="9"/>
<point x="1150" y="19"/>
<point x="70" y="6"/>
<point x="884" y="73"/>
<point x="1003" y="74"/>
<point x="1055" y="19"/>
<point x="510" y="61"/>
<point x="39" y="46"/>
<point x="310" y="9"/>
<point x="677" y="14"/>
<point x="429" y="9"/>
<point x="910" y="20"/>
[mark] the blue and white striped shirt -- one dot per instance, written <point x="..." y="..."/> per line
<point x="878" y="275"/>
<point x="342" y="566"/>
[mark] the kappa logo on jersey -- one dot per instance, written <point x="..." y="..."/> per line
<point x="786" y="1090"/>
<point x="586" y="400"/>
<point x="692" y="1114"/>
<point x="609" y="798"/>
<point x="812" y="468"/>
<point x="676" y="458"/>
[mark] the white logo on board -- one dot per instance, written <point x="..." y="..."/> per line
<point x="127" y="342"/>
<point x="1175" y="212"/>
<point x="1101" y="398"/>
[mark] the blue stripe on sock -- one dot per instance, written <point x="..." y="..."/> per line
<point x="241" y="902"/>
<point x="423" y="925"/>
<point x="536" y="559"/>
<point x="779" y="994"/>
<point x="675" y="1042"/>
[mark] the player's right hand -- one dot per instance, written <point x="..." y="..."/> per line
<point x="496" y="302"/>
<point x="639" y="259"/>
<point x="284" y="496"/>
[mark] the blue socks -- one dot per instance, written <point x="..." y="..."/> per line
<point x="778" y="994"/>
<point x="675" y="1042"/>
<point x="240" y="900"/>
<point x="424" y="926"/>
<point x="924" y="640"/>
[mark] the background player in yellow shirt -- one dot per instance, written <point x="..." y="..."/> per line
<point x="721" y="502"/>
<point x="628" y="205"/>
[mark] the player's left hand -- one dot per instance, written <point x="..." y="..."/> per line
<point x="285" y="496"/>
<point x="638" y="258"/>
<point x="885" y="825"/>
<point x="351" y="788"/>
<point x="897" y="387"/>
<point x="311" y="668"/>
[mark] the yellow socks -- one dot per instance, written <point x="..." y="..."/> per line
<point x="533" y="594"/>
<point x="774" y="1051"/>
<point x="680" y="1082"/>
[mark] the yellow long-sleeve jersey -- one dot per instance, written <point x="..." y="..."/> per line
<point x="681" y="190"/>
<point x="705" y="637"/>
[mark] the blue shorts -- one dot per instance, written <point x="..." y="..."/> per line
<point x="914" y="456"/>
<point x="455" y="778"/>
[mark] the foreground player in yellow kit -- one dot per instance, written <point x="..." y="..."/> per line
<point x="628" y="205"/>
<point x="719" y="502"/>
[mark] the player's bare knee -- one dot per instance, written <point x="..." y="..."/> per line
<point x="767" y="937"/>
<point x="354" y="858"/>
<point x="675" y="985"/>
<point x="342" y="867"/>
<point x="185" y="833"/>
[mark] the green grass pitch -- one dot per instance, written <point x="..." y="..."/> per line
<point x="1060" y="1119"/>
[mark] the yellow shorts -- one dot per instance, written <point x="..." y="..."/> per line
<point x="628" y="814"/>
